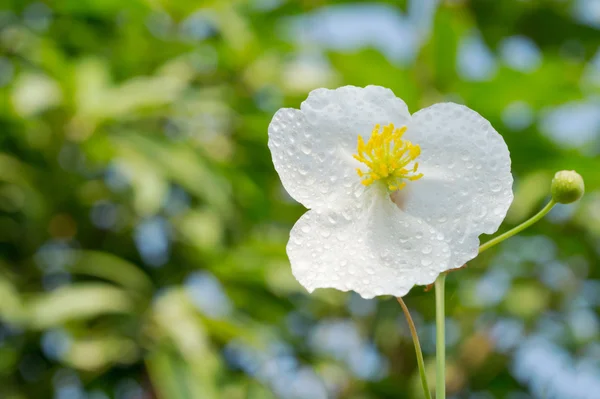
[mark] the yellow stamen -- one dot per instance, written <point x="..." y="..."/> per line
<point x="387" y="156"/>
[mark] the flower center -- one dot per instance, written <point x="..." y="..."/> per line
<point x="388" y="157"/>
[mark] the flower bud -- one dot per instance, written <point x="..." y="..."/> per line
<point x="567" y="186"/>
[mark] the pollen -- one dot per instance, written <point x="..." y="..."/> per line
<point x="388" y="157"/>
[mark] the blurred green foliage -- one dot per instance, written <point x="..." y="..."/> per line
<point x="143" y="228"/>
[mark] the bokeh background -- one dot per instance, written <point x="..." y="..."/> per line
<point x="143" y="227"/>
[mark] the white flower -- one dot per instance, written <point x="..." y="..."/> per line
<point x="394" y="199"/>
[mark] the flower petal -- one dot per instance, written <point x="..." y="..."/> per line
<point x="372" y="248"/>
<point x="312" y="147"/>
<point x="467" y="185"/>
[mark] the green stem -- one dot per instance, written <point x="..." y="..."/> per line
<point x="440" y="386"/>
<point x="519" y="228"/>
<point x="440" y="317"/>
<point x="415" y="338"/>
<point x="440" y="338"/>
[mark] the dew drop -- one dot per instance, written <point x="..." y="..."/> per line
<point x="346" y="215"/>
<point x="342" y="235"/>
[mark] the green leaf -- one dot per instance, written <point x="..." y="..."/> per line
<point x="11" y="307"/>
<point x="112" y="268"/>
<point x="81" y="301"/>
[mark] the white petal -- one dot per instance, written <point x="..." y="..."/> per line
<point x="467" y="185"/>
<point x="312" y="147"/>
<point x="373" y="248"/>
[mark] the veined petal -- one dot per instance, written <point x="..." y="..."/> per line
<point x="467" y="185"/>
<point x="372" y="248"/>
<point x="312" y="147"/>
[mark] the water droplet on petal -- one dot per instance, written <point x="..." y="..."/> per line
<point x="305" y="148"/>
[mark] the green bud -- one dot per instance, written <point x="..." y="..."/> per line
<point x="567" y="186"/>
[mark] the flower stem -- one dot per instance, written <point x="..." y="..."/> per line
<point x="440" y="338"/>
<point x="415" y="338"/>
<point x="519" y="228"/>
<point x="440" y="317"/>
